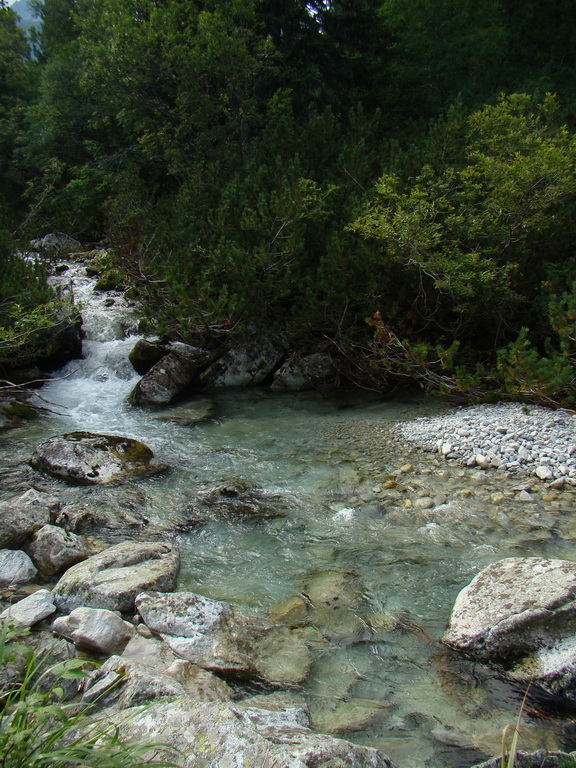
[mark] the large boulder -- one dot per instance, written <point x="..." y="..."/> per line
<point x="170" y="376"/>
<point x="146" y="353"/>
<point x="85" y="458"/>
<point x="520" y="613"/>
<point x="112" y="579"/>
<point x="20" y="517"/>
<point x="224" y="639"/>
<point x="308" y="372"/>
<point x="55" y="243"/>
<point x="250" y="359"/>
<point x="53" y="549"/>
<point x="213" y="735"/>
<point x="95" y="629"/>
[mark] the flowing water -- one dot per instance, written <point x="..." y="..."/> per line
<point x="396" y="532"/>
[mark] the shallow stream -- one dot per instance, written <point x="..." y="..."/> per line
<point x="395" y="531"/>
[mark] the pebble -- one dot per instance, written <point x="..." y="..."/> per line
<point x="506" y="437"/>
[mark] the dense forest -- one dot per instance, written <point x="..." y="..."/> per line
<point x="391" y="181"/>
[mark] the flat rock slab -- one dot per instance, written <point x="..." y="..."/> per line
<point x="85" y="458"/>
<point x="222" y="638"/>
<point x="520" y="613"/>
<point x="213" y="736"/>
<point x="31" y="609"/>
<point x="113" y="578"/>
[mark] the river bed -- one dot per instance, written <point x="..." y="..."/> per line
<point x="401" y="529"/>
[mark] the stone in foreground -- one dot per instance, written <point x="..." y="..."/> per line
<point x="31" y="609"/>
<point x="85" y="458"/>
<point x="113" y="578"/>
<point x="520" y="613"/>
<point x="15" y="568"/>
<point x="224" y="639"/>
<point x="213" y="736"/>
<point x="95" y="629"/>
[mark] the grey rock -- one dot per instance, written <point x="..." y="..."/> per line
<point x="213" y="736"/>
<point x="15" y="568"/>
<point x="23" y="515"/>
<point x="145" y="354"/>
<point x="170" y="376"/>
<point x="55" y="242"/>
<point x="195" y="681"/>
<point x="53" y="549"/>
<point x="222" y="638"/>
<point x="31" y="609"/>
<point x="250" y="359"/>
<point x="112" y="579"/>
<point x="309" y="372"/>
<point x="85" y="458"/>
<point x="521" y="612"/>
<point x="540" y="759"/>
<point x="236" y="499"/>
<point x="94" y="629"/>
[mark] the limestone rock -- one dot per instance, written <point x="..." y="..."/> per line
<point x="224" y="639"/>
<point x="94" y="629"/>
<point x="32" y="609"/>
<point x="55" y="242"/>
<point x="170" y="376"/>
<point x="21" y="516"/>
<point x="15" y="568"/>
<point x="84" y="458"/>
<point x="521" y="612"/>
<point x="309" y="372"/>
<point x="195" y="681"/>
<point x="213" y="735"/>
<point x="251" y="358"/>
<point x="112" y="579"/>
<point x="53" y="549"/>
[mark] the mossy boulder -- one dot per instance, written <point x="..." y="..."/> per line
<point x="85" y="458"/>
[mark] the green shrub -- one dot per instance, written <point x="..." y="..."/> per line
<point x="40" y="729"/>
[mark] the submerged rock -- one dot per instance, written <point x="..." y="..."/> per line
<point x="112" y="579"/>
<point x="540" y="759"/>
<point x="189" y="414"/>
<point x="232" y="501"/>
<point x="520" y="613"/>
<point x="85" y="458"/>
<point x="222" y="638"/>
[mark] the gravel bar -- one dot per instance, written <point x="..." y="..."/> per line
<point x="510" y="437"/>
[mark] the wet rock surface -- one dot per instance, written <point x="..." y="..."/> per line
<point x="521" y="613"/>
<point x="85" y="458"/>
<point x="21" y="516"/>
<point x="225" y="639"/>
<point x="113" y="578"/>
